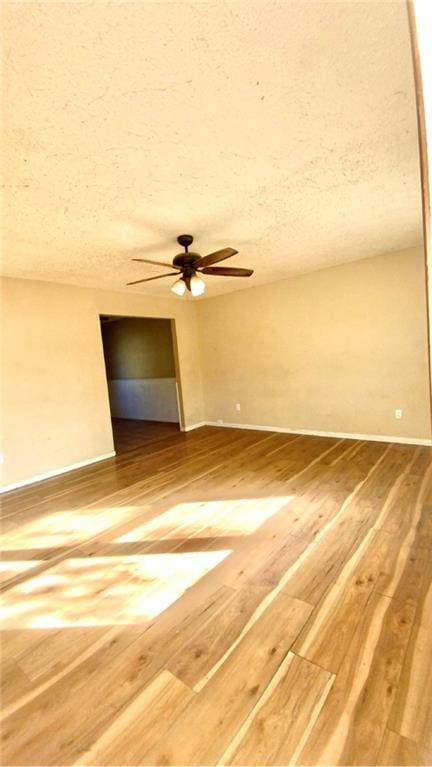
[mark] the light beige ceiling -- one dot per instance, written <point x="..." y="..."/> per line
<point x="284" y="129"/>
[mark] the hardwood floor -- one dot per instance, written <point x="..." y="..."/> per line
<point x="221" y="597"/>
<point x="129" y="433"/>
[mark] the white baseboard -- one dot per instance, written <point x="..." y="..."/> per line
<point x="225" y="424"/>
<point x="55" y="472"/>
<point x="313" y="433"/>
<point x="193" y="426"/>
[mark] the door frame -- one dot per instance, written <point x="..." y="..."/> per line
<point x="174" y="341"/>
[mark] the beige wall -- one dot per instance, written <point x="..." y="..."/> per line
<point x="54" y="391"/>
<point x="136" y="347"/>
<point x="55" y="403"/>
<point x="336" y="350"/>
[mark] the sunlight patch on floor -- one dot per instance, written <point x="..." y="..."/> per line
<point x="64" y="528"/>
<point x="9" y="569"/>
<point x="104" y="591"/>
<point x="208" y="518"/>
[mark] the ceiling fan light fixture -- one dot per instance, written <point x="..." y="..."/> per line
<point x="197" y="286"/>
<point x="179" y="287"/>
<point x="187" y="265"/>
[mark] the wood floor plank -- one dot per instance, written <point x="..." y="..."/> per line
<point x="286" y="712"/>
<point x="205" y="729"/>
<point x="353" y="719"/>
<point x="397" y="750"/>
<point x="340" y="538"/>
<point x="402" y="515"/>
<point x="376" y="565"/>
<point x="57" y="650"/>
<point x="140" y="724"/>
<point x="411" y="715"/>
<point x="14" y="682"/>
<point x="339" y="613"/>
<point x="198" y="656"/>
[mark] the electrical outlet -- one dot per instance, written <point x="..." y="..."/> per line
<point x="398" y="413"/>
<point x="238" y="406"/>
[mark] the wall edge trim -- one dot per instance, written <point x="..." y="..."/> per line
<point x="314" y="433"/>
<point x="56" y="472"/>
<point x="193" y="426"/>
<point x="228" y="425"/>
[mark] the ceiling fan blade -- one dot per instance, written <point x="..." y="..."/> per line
<point x="157" y="263"/>
<point x="149" y="279"/>
<point x="227" y="271"/>
<point x="218" y="255"/>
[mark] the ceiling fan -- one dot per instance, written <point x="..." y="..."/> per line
<point x="189" y="264"/>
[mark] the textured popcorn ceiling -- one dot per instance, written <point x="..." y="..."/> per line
<point x="284" y="129"/>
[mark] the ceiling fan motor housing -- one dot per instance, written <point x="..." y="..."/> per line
<point x="186" y="261"/>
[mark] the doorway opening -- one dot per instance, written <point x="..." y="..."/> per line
<point x="141" y="366"/>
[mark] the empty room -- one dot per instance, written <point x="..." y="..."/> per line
<point x="216" y="493"/>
